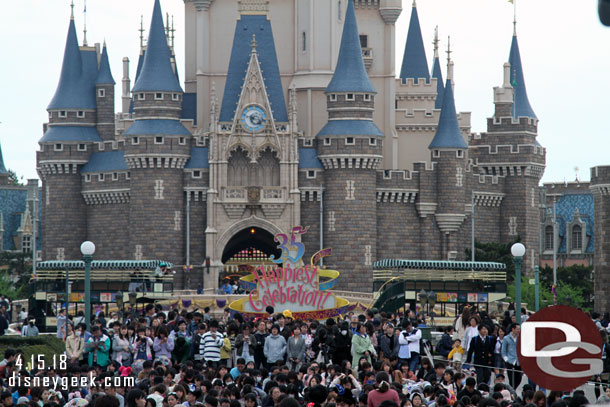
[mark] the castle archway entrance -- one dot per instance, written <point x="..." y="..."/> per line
<point x="248" y="248"/>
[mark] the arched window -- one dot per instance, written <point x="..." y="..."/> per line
<point x="548" y="238"/>
<point x="238" y="168"/>
<point x="576" y="237"/>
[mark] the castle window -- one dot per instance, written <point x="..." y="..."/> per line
<point x="87" y="177"/>
<point x="333" y="97"/>
<point x="128" y="175"/>
<point x="158" y="96"/>
<point x="175" y="96"/>
<point x="196" y="174"/>
<point x="364" y="41"/>
<point x="141" y="96"/>
<point x="158" y="140"/>
<point x="63" y="113"/>
<point x="50" y="115"/>
<point x="135" y="140"/>
<point x="308" y="142"/>
<point x="182" y="141"/>
<point x="101" y="93"/>
<point x="311" y="174"/>
<point x="26" y="243"/>
<point x="373" y="141"/>
<point x="576" y="237"/>
<point x="349" y="141"/>
<point x="115" y="176"/>
<point x="459" y="153"/>
<point x="101" y="177"/>
<point x="548" y="238"/>
<point x="436" y="153"/>
<point x="59" y="147"/>
<point x="80" y="114"/>
<point x="327" y="141"/>
<point x="82" y="147"/>
<point x="304" y="39"/>
<point x="350" y="97"/>
<point x="367" y="97"/>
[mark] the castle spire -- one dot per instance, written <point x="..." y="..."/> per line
<point x="72" y="91"/>
<point x="414" y="63"/>
<point x="350" y="74"/>
<point x="448" y="134"/>
<point x="437" y="73"/>
<point x="72" y="10"/>
<point x="521" y="106"/>
<point x="2" y="166"/>
<point x="157" y="73"/>
<point x="104" y="75"/>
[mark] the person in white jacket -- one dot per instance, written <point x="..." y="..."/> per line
<point x="413" y="336"/>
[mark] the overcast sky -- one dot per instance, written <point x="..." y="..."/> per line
<point x="564" y="49"/>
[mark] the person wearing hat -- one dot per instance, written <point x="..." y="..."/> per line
<point x="30" y="329"/>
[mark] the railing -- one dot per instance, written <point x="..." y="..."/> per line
<point x="440" y="275"/>
<point x="240" y="194"/>
<point x="367" y="56"/>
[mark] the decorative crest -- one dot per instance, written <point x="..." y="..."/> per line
<point x="253" y="43"/>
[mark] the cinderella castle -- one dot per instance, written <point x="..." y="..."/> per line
<point x="290" y="113"/>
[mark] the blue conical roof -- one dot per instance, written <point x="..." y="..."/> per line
<point x="2" y="167"/>
<point x="72" y="91"/>
<point x="157" y="73"/>
<point x="448" y="134"/>
<point x="104" y="76"/>
<point x="521" y="107"/>
<point x="350" y="73"/>
<point x="440" y="87"/>
<point x="414" y="63"/>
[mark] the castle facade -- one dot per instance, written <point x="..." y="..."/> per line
<point x="290" y="113"/>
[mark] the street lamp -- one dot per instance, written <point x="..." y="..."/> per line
<point x="119" y="303"/>
<point x="132" y="300"/>
<point x="431" y="303"/>
<point x="518" y="251"/>
<point x="87" y="249"/>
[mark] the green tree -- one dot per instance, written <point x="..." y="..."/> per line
<point x="566" y="295"/>
<point x="8" y="288"/>
<point x="13" y="178"/>
<point x="495" y="252"/>
<point x="17" y="268"/>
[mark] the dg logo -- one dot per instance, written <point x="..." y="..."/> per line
<point x="560" y="348"/>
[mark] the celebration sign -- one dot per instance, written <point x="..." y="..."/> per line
<point x="291" y="285"/>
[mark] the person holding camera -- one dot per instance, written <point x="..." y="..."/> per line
<point x="211" y="342"/>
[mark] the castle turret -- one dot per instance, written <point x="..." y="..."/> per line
<point x="157" y="148"/>
<point x="104" y="87"/>
<point x="414" y="63"/>
<point x="350" y="148"/>
<point x="66" y="146"/>
<point x="509" y="149"/>
<point x="448" y="150"/>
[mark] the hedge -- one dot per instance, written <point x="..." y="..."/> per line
<point x="47" y="345"/>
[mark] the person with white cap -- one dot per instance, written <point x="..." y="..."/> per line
<point x="30" y="329"/>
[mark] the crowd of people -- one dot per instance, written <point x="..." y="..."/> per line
<point x="169" y="358"/>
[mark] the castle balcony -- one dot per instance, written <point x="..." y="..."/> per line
<point x="367" y="57"/>
<point x="271" y="200"/>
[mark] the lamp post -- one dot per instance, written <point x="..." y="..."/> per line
<point x="518" y="251"/>
<point x="132" y="300"/>
<point x="537" y="287"/>
<point x="431" y="304"/>
<point x="87" y="249"/>
<point x="119" y="304"/>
